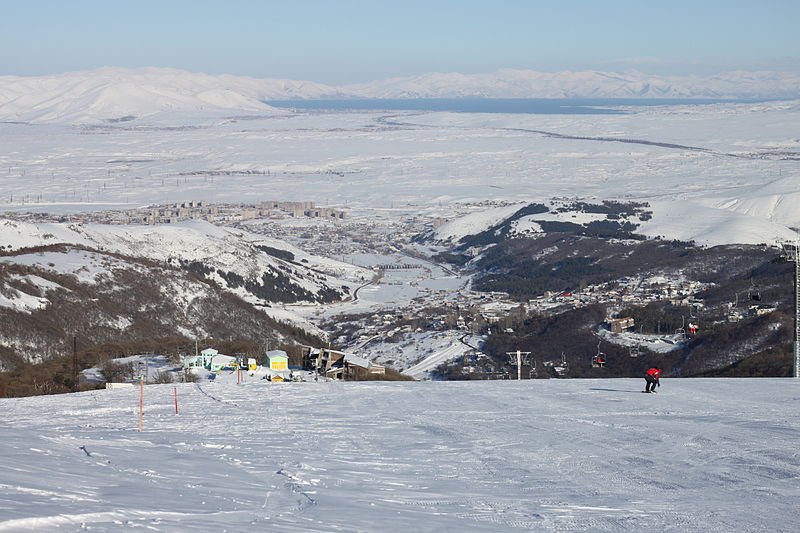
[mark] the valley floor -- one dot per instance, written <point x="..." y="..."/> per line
<point x="545" y="455"/>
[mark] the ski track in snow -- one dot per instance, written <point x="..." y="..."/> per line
<point x="545" y="455"/>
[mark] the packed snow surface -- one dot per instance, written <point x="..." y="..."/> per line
<point x="572" y="455"/>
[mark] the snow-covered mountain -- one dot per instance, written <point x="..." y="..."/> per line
<point x="132" y="282"/>
<point x="259" y="269"/>
<point x="58" y="292"/>
<point x="511" y="83"/>
<point x="119" y="95"/>
<point x="711" y="225"/>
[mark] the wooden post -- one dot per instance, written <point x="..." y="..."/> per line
<point x="175" y="390"/>
<point x="141" y="403"/>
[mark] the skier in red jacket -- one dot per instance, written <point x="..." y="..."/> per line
<point x="651" y="377"/>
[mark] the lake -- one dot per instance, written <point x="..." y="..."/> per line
<point x="542" y="106"/>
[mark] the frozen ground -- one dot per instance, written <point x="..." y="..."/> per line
<point x="574" y="455"/>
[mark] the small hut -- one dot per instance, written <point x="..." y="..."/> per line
<point x="277" y="360"/>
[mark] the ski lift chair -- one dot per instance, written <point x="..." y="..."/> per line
<point x="635" y="350"/>
<point x="754" y="294"/>
<point x="599" y="360"/>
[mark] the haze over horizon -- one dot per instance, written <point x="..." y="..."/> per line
<point x="353" y="41"/>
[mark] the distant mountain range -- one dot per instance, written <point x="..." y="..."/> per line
<point x="510" y="83"/>
<point x="118" y="94"/>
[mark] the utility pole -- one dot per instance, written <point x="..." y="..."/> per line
<point x="519" y="357"/>
<point x="792" y="254"/>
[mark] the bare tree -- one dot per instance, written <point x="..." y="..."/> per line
<point x="117" y="372"/>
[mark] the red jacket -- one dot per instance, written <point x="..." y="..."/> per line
<point x="654" y="372"/>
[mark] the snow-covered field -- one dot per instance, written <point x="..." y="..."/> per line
<point x="731" y="168"/>
<point x="574" y="455"/>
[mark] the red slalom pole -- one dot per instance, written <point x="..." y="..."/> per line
<point x="175" y="390"/>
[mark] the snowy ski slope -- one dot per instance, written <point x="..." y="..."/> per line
<point x="575" y="455"/>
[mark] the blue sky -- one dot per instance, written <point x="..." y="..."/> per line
<point x="340" y="41"/>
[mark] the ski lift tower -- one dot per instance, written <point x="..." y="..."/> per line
<point x="521" y="357"/>
<point x="791" y="252"/>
